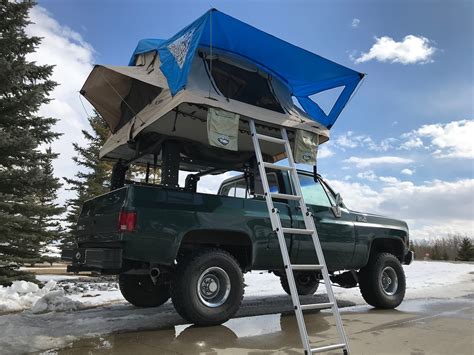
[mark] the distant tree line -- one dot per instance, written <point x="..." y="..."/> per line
<point x="454" y="247"/>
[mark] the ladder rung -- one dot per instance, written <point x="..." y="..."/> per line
<point x="327" y="348"/>
<point x="297" y="231"/>
<point x="276" y="167"/>
<point x="270" y="139"/>
<point x="307" y="307"/>
<point x="285" y="196"/>
<point x="307" y="267"/>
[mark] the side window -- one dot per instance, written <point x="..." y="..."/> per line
<point x="238" y="188"/>
<point x="226" y="190"/>
<point x="313" y="192"/>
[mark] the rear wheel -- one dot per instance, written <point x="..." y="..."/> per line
<point x="382" y="281"/>
<point x="306" y="283"/>
<point x="140" y="290"/>
<point x="208" y="287"/>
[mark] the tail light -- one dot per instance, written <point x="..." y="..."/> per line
<point x="127" y="221"/>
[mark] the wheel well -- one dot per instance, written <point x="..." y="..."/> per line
<point x="386" y="245"/>
<point x="236" y="243"/>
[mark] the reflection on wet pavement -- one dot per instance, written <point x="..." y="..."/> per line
<point x="417" y="327"/>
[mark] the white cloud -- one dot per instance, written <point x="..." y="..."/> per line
<point x="413" y="142"/>
<point x="451" y="140"/>
<point x="412" y="49"/>
<point x="355" y="22"/>
<point x="434" y="208"/>
<point x="72" y="57"/>
<point x="346" y="140"/>
<point x="366" y="162"/>
<point x="351" y="140"/>
<point x="389" y="180"/>
<point x="367" y="175"/>
<point x="325" y="152"/>
<point x="407" y="171"/>
<point x="443" y="140"/>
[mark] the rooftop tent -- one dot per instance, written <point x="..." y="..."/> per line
<point x="169" y="86"/>
<point x="303" y="72"/>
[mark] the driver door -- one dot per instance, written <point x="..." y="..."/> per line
<point x="336" y="234"/>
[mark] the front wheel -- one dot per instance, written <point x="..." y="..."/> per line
<point x="140" y="290"/>
<point x="382" y="282"/>
<point x="208" y="287"/>
<point x="306" y="283"/>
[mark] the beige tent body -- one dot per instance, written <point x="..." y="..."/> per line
<point x="138" y="106"/>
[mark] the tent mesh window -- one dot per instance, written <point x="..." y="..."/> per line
<point x="243" y="85"/>
<point x="140" y="95"/>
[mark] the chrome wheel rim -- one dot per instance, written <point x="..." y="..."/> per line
<point x="213" y="287"/>
<point x="389" y="281"/>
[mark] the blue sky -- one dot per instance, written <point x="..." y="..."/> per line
<point x="407" y="134"/>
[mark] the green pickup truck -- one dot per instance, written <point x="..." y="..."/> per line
<point x="194" y="247"/>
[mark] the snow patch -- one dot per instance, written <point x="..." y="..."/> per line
<point x="22" y="295"/>
<point x="55" y="301"/>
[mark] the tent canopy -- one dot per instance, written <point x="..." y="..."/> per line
<point x="303" y="72"/>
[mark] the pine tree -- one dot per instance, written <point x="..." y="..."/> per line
<point x="94" y="177"/>
<point x="51" y="221"/>
<point x="25" y="176"/>
<point x="466" y="250"/>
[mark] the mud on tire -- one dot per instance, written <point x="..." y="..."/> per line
<point x="140" y="290"/>
<point x="207" y="288"/>
<point x="382" y="282"/>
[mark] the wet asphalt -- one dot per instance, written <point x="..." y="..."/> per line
<point x="417" y="327"/>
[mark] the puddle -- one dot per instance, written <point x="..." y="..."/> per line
<point x="249" y="335"/>
<point x="278" y="333"/>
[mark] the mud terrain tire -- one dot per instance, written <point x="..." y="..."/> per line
<point x="382" y="282"/>
<point x="140" y="290"/>
<point x="306" y="283"/>
<point x="207" y="288"/>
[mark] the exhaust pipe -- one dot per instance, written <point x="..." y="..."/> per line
<point x="154" y="274"/>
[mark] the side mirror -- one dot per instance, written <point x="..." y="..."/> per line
<point x="337" y="208"/>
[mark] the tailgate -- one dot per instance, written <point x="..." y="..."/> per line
<point x="99" y="217"/>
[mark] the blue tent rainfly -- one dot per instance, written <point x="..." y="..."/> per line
<point x="304" y="73"/>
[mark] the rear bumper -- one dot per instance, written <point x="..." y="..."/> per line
<point x="409" y="257"/>
<point x="104" y="260"/>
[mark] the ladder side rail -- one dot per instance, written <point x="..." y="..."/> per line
<point x="309" y="223"/>
<point x="276" y="225"/>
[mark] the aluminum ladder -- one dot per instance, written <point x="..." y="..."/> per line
<point x="310" y="231"/>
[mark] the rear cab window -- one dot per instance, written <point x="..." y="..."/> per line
<point x="240" y="188"/>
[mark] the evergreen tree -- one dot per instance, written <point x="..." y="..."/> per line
<point x="51" y="221"/>
<point x="94" y="177"/>
<point x="25" y="170"/>
<point x="466" y="250"/>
